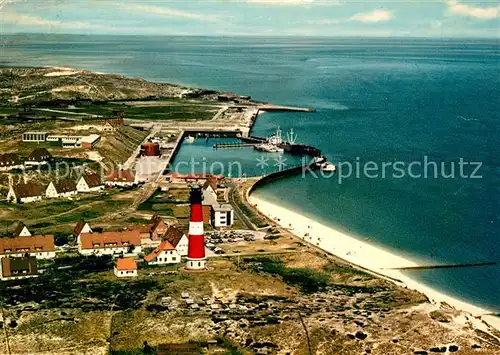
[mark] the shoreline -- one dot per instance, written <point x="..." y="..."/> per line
<point x="365" y="255"/>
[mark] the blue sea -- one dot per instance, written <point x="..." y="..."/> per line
<point x="378" y="101"/>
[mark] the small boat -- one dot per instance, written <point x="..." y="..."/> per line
<point x="319" y="160"/>
<point x="327" y="166"/>
<point x="190" y="139"/>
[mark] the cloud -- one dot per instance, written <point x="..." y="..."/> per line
<point x="483" y="13"/>
<point x="34" y="21"/>
<point x="290" y="2"/>
<point x="371" y="17"/>
<point x="168" y="12"/>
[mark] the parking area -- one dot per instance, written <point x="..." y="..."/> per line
<point x="215" y="240"/>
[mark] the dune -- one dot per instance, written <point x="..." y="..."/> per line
<point x="363" y="254"/>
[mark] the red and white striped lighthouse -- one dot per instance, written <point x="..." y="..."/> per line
<point x="196" y="259"/>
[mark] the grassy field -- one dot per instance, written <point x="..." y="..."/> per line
<point x="177" y="110"/>
<point x="169" y="203"/>
<point x="116" y="148"/>
<point x="59" y="215"/>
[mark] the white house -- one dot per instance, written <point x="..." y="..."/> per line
<point x="121" y="178"/>
<point x="89" y="183"/>
<point x="61" y="188"/>
<point x="110" y="243"/>
<point x="164" y="253"/>
<point x="177" y="239"/>
<point x="21" y="230"/>
<point x="210" y="191"/>
<point x="39" y="246"/>
<point x="24" y="193"/>
<point x="222" y="216"/>
<point x="125" y="267"/>
<point x="81" y="227"/>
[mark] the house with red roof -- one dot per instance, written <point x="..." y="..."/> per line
<point x="177" y="239"/>
<point x="89" y="183"/>
<point x="10" y="161"/>
<point x="125" y="267"/>
<point x="61" y="188"/>
<point x="18" y="268"/>
<point x="121" y="178"/>
<point x="25" y="193"/>
<point x="152" y="232"/>
<point x="164" y="253"/>
<point x="81" y="227"/>
<point x="39" y="246"/>
<point x="110" y="243"/>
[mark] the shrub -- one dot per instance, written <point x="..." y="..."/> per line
<point x="307" y="280"/>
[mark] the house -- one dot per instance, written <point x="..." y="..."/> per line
<point x="39" y="156"/>
<point x="24" y="193"/>
<point x="89" y="183"/>
<point x="64" y="141"/>
<point x="164" y="253"/>
<point x="108" y="127"/>
<point x="152" y="232"/>
<point x="39" y="246"/>
<point x="10" y="161"/>
<point x="158" y="227"/>
<point x="18" y="268"/>
<point x="81" y="227"/>
<point x="34" y="136"/>
<point x="125" y="267"/>
<point x="61" y="188"/>
<point x="122" y="178"/>
<point x="177" y="239"/>
<point x="109" y="243"/>
<point x="21" y="230"/>
<point x="210" y="191"/>
<point x="222" y="216"/>
<point x="88" y="142"/>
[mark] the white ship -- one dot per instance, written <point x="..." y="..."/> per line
<point x="272" y="144"/>
<point x="269" y="148"/>
<point x="189" y="139"/>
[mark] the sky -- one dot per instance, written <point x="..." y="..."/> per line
<point x="418" y="18"/>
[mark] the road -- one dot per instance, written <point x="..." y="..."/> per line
<point x="239" y="213"/>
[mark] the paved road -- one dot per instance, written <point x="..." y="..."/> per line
<point x="239" y="213"/>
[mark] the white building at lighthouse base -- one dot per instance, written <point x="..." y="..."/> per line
<point x="196" y="264"/>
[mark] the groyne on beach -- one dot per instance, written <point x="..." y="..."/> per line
<point x="359" y="252"/>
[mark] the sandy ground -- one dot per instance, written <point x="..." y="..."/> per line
<point x="360" y="253"/>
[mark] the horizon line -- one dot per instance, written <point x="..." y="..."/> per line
<point x="497" y="38"/>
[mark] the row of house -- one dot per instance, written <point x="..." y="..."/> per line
<point x="132" y="241"/>
<point x="30" y="191"/>
<point x="38" y="157"/>
<point x="65" y="141"/>
<point x="19" y="254"/>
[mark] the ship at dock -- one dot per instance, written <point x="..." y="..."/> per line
<point x="273" y="143"/>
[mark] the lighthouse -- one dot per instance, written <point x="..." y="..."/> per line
<point x="196" y="259"/>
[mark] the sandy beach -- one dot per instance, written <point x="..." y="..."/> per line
<point x="363" y="254"/>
